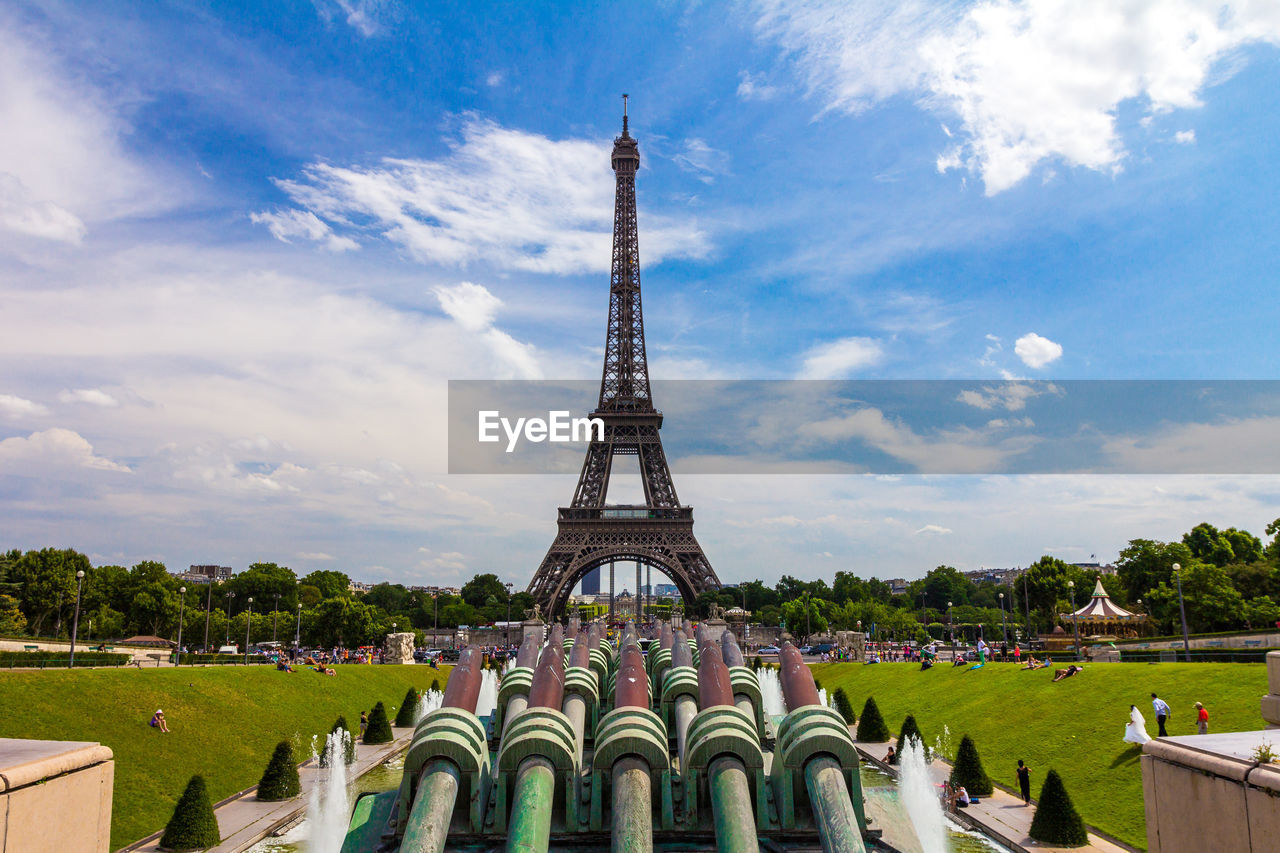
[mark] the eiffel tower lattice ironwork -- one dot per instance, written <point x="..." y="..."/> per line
<point x="659" y="532"/>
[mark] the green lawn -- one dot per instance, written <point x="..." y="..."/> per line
<point x="224" y="723"/>
<point x="1074" y="726"/>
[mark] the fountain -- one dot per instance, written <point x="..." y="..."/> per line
<point x="329" y="807"/>
<point x="771" y="692"/>
<point x="488" y="700"/>
<point x="920" y="798"/>
<point x="429" y="701"/>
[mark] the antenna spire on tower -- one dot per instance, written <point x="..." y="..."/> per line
<point x="624" y="114"/>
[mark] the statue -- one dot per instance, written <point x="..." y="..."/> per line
<point x="717" y="612"/>
<point x="534" y="614"/>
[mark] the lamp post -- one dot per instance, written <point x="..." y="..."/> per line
<point x="746" y="615"/>
<point x="509" y="586"/>
<point x="1075" y="617"/>
<point x="435" y="604"/>
<point x="230" y="604"/>
<point x="951" y="634"/>
<point x="275" y="618"/>
<point x="1004" y="626"/>
<point x="297" y="628"/>
<point x="75" y="626"/>
<point x="248" y="620"/>
<point x="182" y="609"/>
<point x="808" y="622"/>
<point x="1182" y="610"/>
<point x="208" y="608"/>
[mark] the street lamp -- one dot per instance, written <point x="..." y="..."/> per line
<point x="182" y="605"/>
<point x="230" y="603"/>
<point x="1186" y="640"/>
<point x="746" y="614"/>
<point x="275" y="618"/>
<point x="435" y="603"/>
<point x="951" y="634"/>
<point x="509" y="586"/>
<point x="1075" y="617"/>
<point x="248" y="620"/>
<point x="297" y="628"/>
<point x="1004" y="627"/>
<point x="75" y="626"/>
<point x="208" y="608"/>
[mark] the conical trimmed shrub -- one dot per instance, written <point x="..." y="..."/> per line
<point x="379" y="729"/>
<point x="435" y="684"/>
<point x="1057" y="821"/>
<point x="280" y="780"/>
<point x="909" y="730"/>
<point x="968" y="769"/>
<point x="349" y="754"/>
<point x="193" y="826"/>
<point x="404" y="717"/>
<point x="756" y="663"/>
<point x="871" y="727"/>
<point x="844" y="706"/>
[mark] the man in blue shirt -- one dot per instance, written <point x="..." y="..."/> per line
<point x="1162" y="712"/>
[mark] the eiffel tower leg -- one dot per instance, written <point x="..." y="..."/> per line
<point x="611" y="591"/>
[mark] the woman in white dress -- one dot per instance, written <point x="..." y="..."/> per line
<point x="1136" y="731"/>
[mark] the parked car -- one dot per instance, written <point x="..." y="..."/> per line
<point x="449" y="655"/>
<point x="228" y="650"/>
<point x="768" y="650"/>
<point x="806" y="650"/>
<point x="822" y="648"/>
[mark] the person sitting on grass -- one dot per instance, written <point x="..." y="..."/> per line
<point x="1031" y="663"/>
<point x="158" y="721"/>
<point x="1067" y="673"/>
<point x="283" y="665"/>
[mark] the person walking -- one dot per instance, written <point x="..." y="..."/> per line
<point x="1162" y="713"/>
<point x="364" y="722"/>
<point x="1024" y="782"/>
<point x="1202" y="720"/>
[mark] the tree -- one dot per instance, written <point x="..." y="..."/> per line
<point x="945" y="584"/>
<point x="280" y="780"/>
<point x="477" y="590"/>
<point x="794" y="612"/>
<point x="12" y="622"/>
<point x="393" y="598"/>
<point x="378" y="730"/>
<point x="48" y="579"/>
<point x="1273" y="547"/>
<point x="330" y="583"/>
<point x="871" y="727"/>
<point x="1209" y="544"/>
<point x="844" y="706"/>
<point x="1246" y="547"/>
<point x="264" y="581"/>
<point x="968" y="771"/>
<point x="1260" y="612"/>
<point x="408" y="709"/>
<point x="309" y="595"/>
<point x="910" y="730"/>
<point x="1145" y="563"/>
<point x="193" y="825"/>
<point x="1056" y="820"/>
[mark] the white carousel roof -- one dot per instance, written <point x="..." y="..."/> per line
<point x="1102" y="609"/>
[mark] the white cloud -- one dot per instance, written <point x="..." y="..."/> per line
<point x="62" y="160"/>
<point x="839" y="359"/>
<point x="363" y="16"/>
<point x="1010" y="396"/>
<point x="286" y="225"/>
<point x="1036" y="351"/>
<point x="494" y="79"/>
<point x="473" y="307"/>
<point x="56" y="447"/>
<point x="514" y="199"/>
<point x="1185" y="137"/>
<point x="318" y="556"/>
<point x="701" y="159"/>
<point x="932" y="529"/>
<point x="1028" y="80"/>
<point x="91" y="396"/>
<point x="751" y="89"/>
<point x="20" y="407"/>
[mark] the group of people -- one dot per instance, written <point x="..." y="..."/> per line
<point x="1136" y="729"/>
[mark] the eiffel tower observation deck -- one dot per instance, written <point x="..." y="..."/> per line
<point x="659" y="532"/>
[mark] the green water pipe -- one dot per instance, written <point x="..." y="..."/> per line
<point x="832" y="808"/>
<point x="632" y="828"/>
<point x="530" y="828"/>
<point x="731" y="806"/>
<point x="433" y="803"/>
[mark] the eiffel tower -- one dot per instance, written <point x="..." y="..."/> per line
<point x="659" y="532"/>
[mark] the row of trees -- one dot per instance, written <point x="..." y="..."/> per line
<point x="1230" y="579"/>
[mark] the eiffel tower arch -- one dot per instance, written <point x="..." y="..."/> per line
<point x="659" y="532"/>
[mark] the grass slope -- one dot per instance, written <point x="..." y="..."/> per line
<point x="224" y="723"/>
<point x="1075" y="726"/>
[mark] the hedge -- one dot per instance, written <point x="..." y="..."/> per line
<point x="195" y="659"/>
<point x="46" y="659"/>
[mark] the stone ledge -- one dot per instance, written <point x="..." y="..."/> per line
<point x="26" y="762"/>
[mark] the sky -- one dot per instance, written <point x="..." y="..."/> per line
<point x="245" y="246"/>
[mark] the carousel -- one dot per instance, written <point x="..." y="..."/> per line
<point x="1102" y="617"/>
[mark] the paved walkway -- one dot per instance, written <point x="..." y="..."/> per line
<point x="243" y="820"/>
<point x="1002" y="815"/>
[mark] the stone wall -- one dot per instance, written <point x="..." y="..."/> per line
<point x="55" y="796"/>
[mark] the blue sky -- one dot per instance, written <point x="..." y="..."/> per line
<point x="243" y="247"/>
